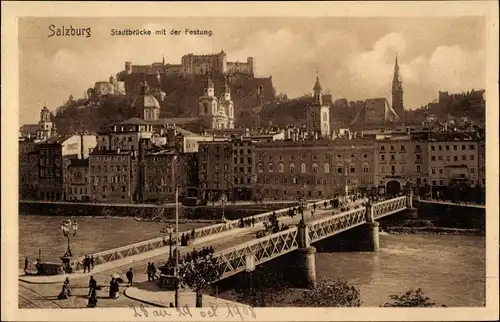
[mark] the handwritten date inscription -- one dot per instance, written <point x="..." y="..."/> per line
<point x="227" y="310"/>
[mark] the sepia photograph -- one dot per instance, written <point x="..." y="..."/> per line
<point x="199" y="167"/>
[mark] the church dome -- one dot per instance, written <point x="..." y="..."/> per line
<point x="145" y="100"/>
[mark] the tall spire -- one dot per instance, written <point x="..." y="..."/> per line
<point x="317" y="92"/>
<point x="397" y="78"/>
<point x="397" y="91"/>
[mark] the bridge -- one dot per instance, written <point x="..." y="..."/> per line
<point x="246" y="256"/>
<point x="241" y="250"/>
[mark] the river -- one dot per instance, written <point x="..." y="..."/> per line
<point x="93" y="235"/>
<point x="449" y="269"/>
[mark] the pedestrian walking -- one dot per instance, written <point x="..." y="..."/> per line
<point x="130" y="277"/>
<point x="92" y="261"/>
<point x="26" y="263"/>
<point x="192" y="234"/>
<point x="92" y="285"/>
<point x="153" y="272"/>
<point x="149" y="271"/>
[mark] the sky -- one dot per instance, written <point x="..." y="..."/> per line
<point x="353" y="56"/>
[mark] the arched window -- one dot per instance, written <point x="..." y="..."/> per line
<point x="315" y="168"/>
<point x="340" y="168"/>
<point x="352" y="168"/>
<point x="281" y="168"/>
<point x="366" y="167"/>
<point x="261" y="167"/>
<point x="292" y="167"/>
<point x="303" y="167"/>
<point x="339" y="157"/>
<point x="327" y="167"/>
<point x="271" y="167"/>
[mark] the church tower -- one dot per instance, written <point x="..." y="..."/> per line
<point x="397" y="92"/>
<point x="318" y="114"/>
<point x="208" y="107"/>
<point x="227" y="105"/>
<point x="146" y="105"/>
<point x="46" y="125"/>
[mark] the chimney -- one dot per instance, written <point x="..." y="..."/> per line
<point x="81" y="146"/>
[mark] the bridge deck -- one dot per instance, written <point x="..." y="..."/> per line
<point x="440" y="202"/>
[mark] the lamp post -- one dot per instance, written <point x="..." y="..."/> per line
<point x="169" y="230"/>
<point x="177" y="245"/>
<point x="67" y="227"/>
<point x="223" y="201"/>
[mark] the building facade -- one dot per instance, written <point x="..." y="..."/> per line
<point x="78" y="180"/>
<point x="28" y="169"/>
<point x="313" y="169"/>
<point x="215" y="172"/>
<point x="400" y="162"/>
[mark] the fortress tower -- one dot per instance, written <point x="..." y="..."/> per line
<point x="397" y="92"/>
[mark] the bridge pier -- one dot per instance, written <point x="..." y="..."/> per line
<point x="369" y="241"/>
<point x="412" y="213"/>
<point x="306" y="267"/>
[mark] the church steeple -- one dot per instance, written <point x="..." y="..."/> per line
<point x="397" y="91"/>
<point x="209" y="88"/>
<point x="318" y="100"/>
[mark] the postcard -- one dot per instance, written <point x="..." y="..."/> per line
<point x="291" y="161"/>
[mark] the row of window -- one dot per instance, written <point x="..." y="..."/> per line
<point x="109" y="189"/>
<point x="441" y="170"/>
<point x="49" y="183"/>
<point x="455" y="157"/>
<point x="402" y="157"/>
<point x="401" y="148"/>
<point x="49" y="172"/>
<point x="75" y="190"/>
<point x="49" y="162"/>
<point x="104" y="179"/>
<point x="319" y="181"/>
<point x="110" y="157"/>
<point x="455" y="147"/>
<point x="303" y="168"/>
<point x="339" y="157"/>
<point x="116" y="168"/>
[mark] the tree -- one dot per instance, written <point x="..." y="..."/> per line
<point x="326" y="293"/>
<point x="263" y="287"/>
<point x="411" y="298"/>
<point x="199" y="273"/>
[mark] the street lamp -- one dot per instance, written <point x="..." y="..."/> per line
<point x="169" y="230"/>
<point x="177" y="245"/>
<point x="223" y="200"/>
<point x="67" y="227"/>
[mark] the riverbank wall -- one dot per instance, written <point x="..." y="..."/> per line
<point x="231" y="211"/>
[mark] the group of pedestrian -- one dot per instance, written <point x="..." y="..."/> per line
<point x="195" y="254"/>
<point x="151" y="270"/>
<point x="186" y="238"/>
<point x="88" y="263"/>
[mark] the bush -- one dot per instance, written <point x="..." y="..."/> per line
<point x="412" y="298"/>
<point x="337" y="293"/>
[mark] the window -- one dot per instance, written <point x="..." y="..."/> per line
<point x="433" y="148"/>
<point x="433" y="171"/>
<point x="303" y="168"/>
<point x="326" y="168"/>
<point x="352" y="168"/>
<point x="447" y="148"/>
<point x="472" y="147"/>
<point x="315" y="168"/>
<point x="366" y="167"/>
<point x="281" y="168"/>
<point x="472" y="170"/>
<point x="365" y="156"/>
<point x="402" y="148"/>
<point x="441" y="182"/>
<point x="392" y="147"/>
<point x="292" y="168"/>
<point x="382" y="148"/>
<point x="440" y="158"/>
<point x="315" y="157"/>
<point x="393" y="157"/>
<point x="433" y="158"/>
<point x="339" y="157"/>
<point x="463" y="146"/>
<point x="382" y="157"/>
<point x="447" y="158"/>
<point x="440" y="148"/>
<point x="261" y="167"/>
<point x="382" y="169"/>
<point x="455" y="158"/>
<point x="464" y="157"/>
<point x="455" y="147"/>
<point x="441" y="171"/>
<point x="417" y="168"/>
<point x="433" y="182"/>
<point x="393" y="168"/>
<point x="419" y="157"/>
<point x="340" y="168"/>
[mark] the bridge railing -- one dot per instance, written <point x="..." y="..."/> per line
<point x="236" y="259"/>
<point x="329" y="226"/>
<point x="388" y="207"/>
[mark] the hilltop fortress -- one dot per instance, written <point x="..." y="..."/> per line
<point x="191" y="66"/>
